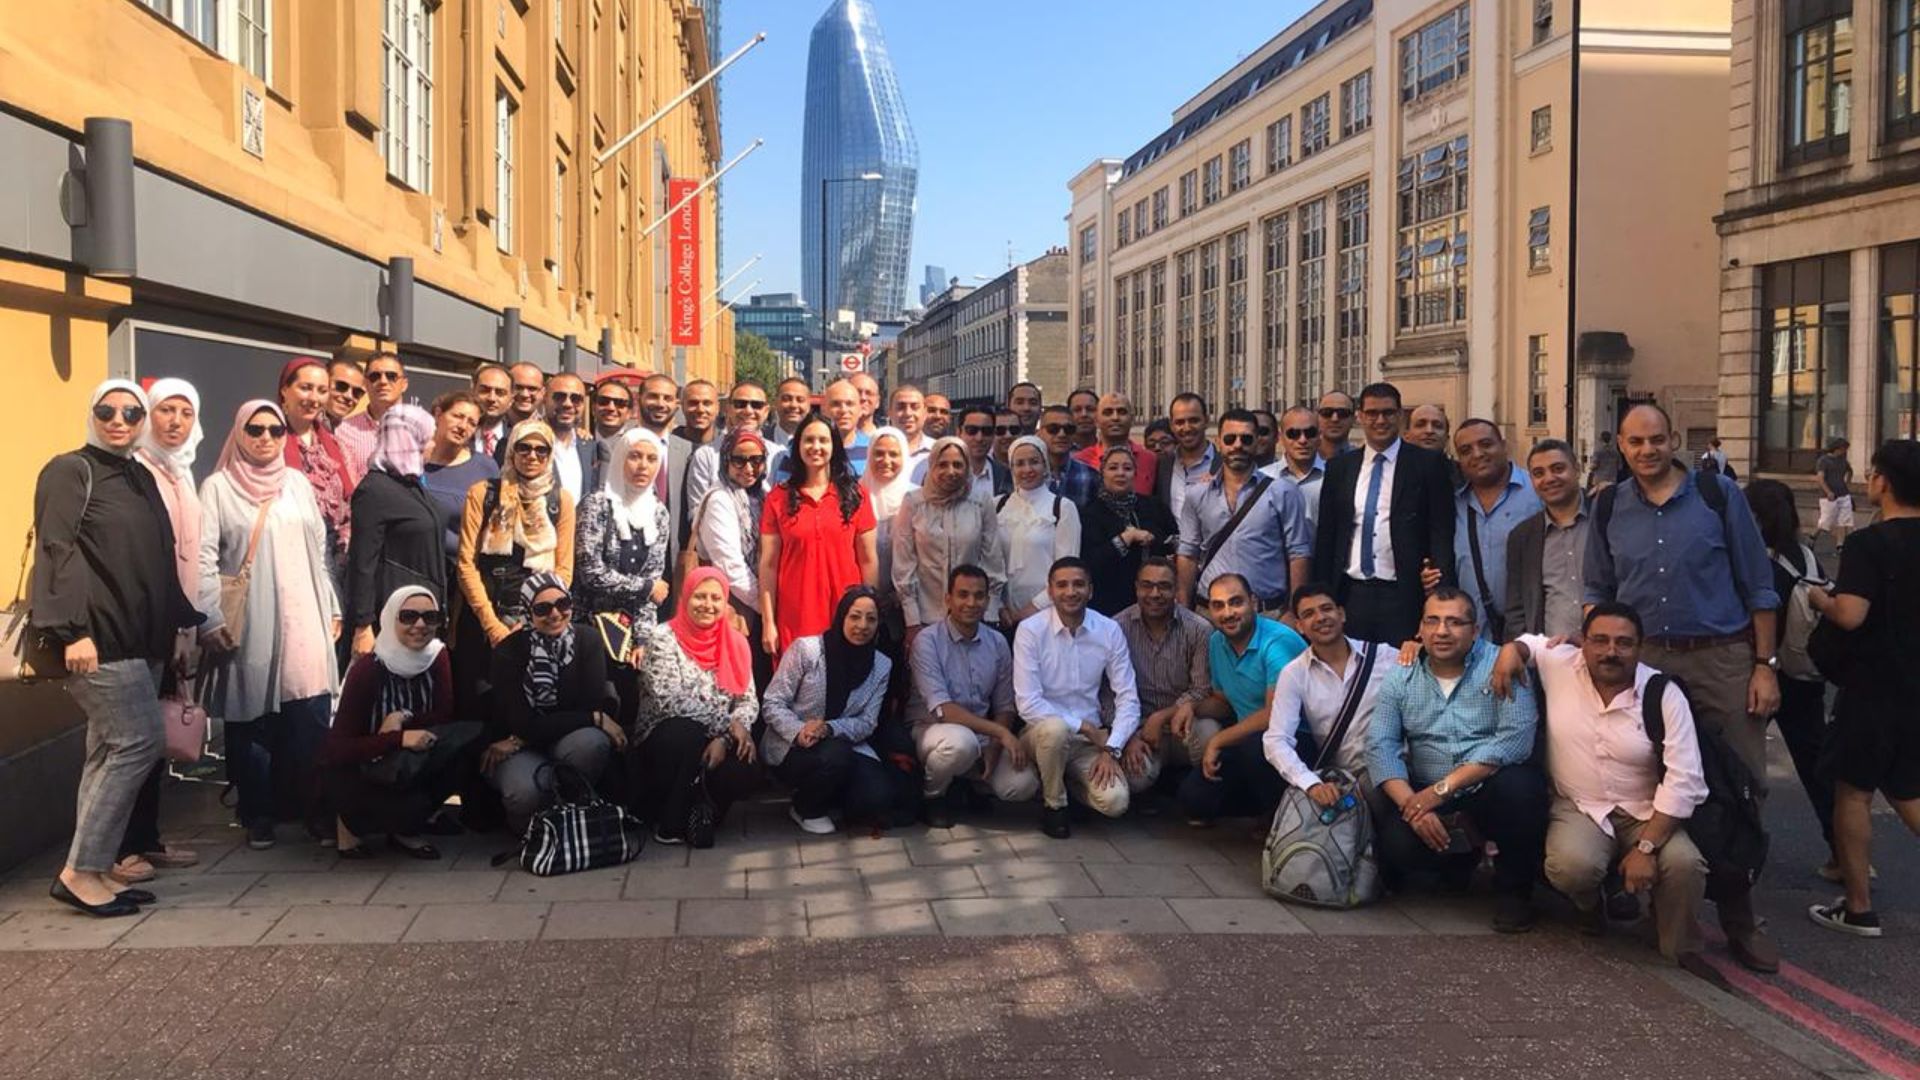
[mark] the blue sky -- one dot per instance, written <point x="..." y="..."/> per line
<point x="1008" y="99"/>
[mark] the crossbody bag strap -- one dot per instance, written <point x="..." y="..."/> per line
<point x="26" y="553"/>
<point x="1495" y="617"/>
<point x="253" y="540"/>
<point x="1260" y="485"/>
<point x="1349" y="708"/>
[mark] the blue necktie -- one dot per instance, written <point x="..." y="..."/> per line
<point x="1372" y="512"/>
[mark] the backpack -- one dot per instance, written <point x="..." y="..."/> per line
<point x="1711" y="493"/>
<point x="490" y="502"/>
<point x="1000" y="505"/>
<point x="1325" y="857"/>
<point x="1797" y="617"/>
<point x="1728" y="827"/>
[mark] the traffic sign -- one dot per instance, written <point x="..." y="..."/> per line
<point x="851" y="362"/>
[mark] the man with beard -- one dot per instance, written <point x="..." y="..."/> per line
<point x="939" y="416"/>
<point x="1193" y="460"/>
<point x="493" y="390"/>
<point x="988" y="478"/>
<point x="659" y="398"/>
<point x="1495" y="499"/>
<point x="1269" y="433"/>
<point x="1084" y="405"/>
<point x="612" y="409"/>
<point x="1267" y="546"/>
<point x="1245" y="655"/>
<point x="574" y="454"/>
<point x="1006" y="428"/>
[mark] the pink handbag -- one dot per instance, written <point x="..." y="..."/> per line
<point x="186" y="724"/>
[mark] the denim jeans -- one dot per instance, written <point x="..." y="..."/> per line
<point x="271" y="761"/>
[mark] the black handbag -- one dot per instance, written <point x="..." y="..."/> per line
<point x="580" y="831"/>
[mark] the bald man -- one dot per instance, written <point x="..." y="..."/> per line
<point x="869" y="389"/>
<point x="841" y="404"/>
<point x="1113" y="419"/>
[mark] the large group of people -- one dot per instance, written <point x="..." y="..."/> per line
<point x="900" y="611"/>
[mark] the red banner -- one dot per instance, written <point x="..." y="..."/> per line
<point x="683" y="264"/>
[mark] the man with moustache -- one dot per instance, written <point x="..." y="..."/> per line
<point x="1546" y="572"/>
<point x="1267" y="545"/>
<point x="1084" y="405"/>
<point x="493" y="390"/>
<point x="1245" y="655"/>
<point x="575" y="461"/>
<point x="1495" y="499"/>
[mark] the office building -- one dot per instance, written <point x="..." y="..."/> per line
<point x="974" y="343"/>
<point x="931" y="285"/>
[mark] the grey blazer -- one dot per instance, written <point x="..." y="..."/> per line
<point x="1526" y="600"/>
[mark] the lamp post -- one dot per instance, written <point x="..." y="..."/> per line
<point x="826" y="297"/>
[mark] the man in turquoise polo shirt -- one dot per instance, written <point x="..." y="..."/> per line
<point x="1244" y="656"/>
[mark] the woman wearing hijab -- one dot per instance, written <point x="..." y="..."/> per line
<point x="823" y="704"/>
<point x="107" y="597"/>
<point x="312" y="449"/>
<point x="514" y="527"/>
<point x="1037" y="526"/>
<point x="694" y="719"/>
<point x="624" y="529"/>
<point x="396" y="525"/>
<point x="1119" y="529"/>
<point x="551" y="702"/>
<point x="395" y="752"/>
<point x="816" y="538"/>
<point x="727" y="535"/>
<point x="272" y="676"/>
<point x="887" y="480"/>
<point x="938" y="527"/>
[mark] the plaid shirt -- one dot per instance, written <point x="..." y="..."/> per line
<point x="1420" y="733"/>
<point x="1076" y="483"/>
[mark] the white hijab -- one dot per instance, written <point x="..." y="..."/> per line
<point x="888" y="496"/>
<point x="395" y="656"/>
<point x="634" y="508"/>
<point x="105" y="388"/>
<point x="1033" y="495"/>
<point x="178" y="461"/>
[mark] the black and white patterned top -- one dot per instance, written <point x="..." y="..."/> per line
<point x="671" y="685"/>
<point x="615" y="574"/>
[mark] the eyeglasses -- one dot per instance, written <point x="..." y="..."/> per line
<point x="757" y="461"/>
<point x="616" y="402"/>
<point x="1238" y="439"/>
<point x="547" y="607"/>
<point x="132" y="414"/>
<point x="1059" y="429"/>
<point x="1451" y="622"/>
<point x="980" y="429"/>
<point x="430" y="618"/>
<point x="1336" y="414"/>
<point x="1302" y="433"/>
<point x="256" y="430"/>
<point x="1379" y="414"/>
<point x="342" y="386"/>
<point x="539" y="450"/>
<point x="384" y="376"/>
<point x="746" y="403"/>
<point x="562" y="395"/>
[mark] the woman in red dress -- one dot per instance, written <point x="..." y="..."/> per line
<point x="816" y="538"/>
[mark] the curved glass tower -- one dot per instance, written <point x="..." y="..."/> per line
<point x="856" y="124"/>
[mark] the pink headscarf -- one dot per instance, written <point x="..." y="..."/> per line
<point x="400" y="448"/>
<point x="256" y="483"/>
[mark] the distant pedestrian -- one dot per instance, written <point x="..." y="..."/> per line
<point x="1836" y="493"/>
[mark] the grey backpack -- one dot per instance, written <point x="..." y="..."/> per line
<point x="1323" y="857"/>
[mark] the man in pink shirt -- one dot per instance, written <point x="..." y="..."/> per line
<point x="357" y="434"/>
<point x="1114" y="424"/>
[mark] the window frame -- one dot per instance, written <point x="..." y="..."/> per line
<point x="506" y="112"/>
<point x="1280" y="144"/>
<point x="1902" y="45"/>
<point x="1240" y="165"/>
<point x="1422" y="75"/>
<point x="1540" y="239"/>
<point x="1537" y="358"/>
<point x="1316" y="125"/>
<point x="408" y="141"/>
<point x="1540" y="130"/>
<point x="1795" y="89"/>
<point x="1356" y="104"/>
<point x="1805" y="321"/>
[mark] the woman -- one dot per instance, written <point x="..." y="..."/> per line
<point x="395" y="752"/>
<point x="272" y="676"/>
<point x="1038" y="527"/>
<point x="816" y="538"/>
<point x="887" y="482"/>
<point x="823" y="704"/>
<point x="1119" y="529"/>
<point x="313" y="450"/>
<point x="941" y="526"/>
<point x="624" y="530"/>
<point x="727" y="536"/>
<point x="397" y="533"/>
<point x="108" y="597"/>
<point x="693" y="724"/>
<point x="551" y="703"/>
<point x="512" y="528"/>
<point x="452" y="467"/>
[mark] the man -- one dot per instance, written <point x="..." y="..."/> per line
<point x="1386" y="515"/>
<point x="961" y="703"/>
<point x="1300" y="459"/>
<point x="612" y="409"/>
<point x="1263" y="447"/>
<point x="869" y="390"/>
<point x="1311" y="690"/>
<point x="1546" y="554"/>
<point x="699" y="413"/>
<point x="795" y="401"/>
<point x="1619" y="801"/>
<point x="1116" y="429"/>
<point x="349" y="387"/>
<point x="1244" y="524"/>
<point x="1006" y="428"/>
<point x="1872" y="740"/>
<point x="987" y="477"/>
<point x="1836" y="493"/>
<point x="746" y="408"/>
<point x="529" y="387"/>
<point x="1168" y="647"/>
<point x="575" y="456"/>
<point x="1193" y="461"/>
<point x="1428" y="426"/>
<point x="1084" y="405"/>
<point x="1158" y="435"/>
<point x="939" y="416"/>
<point x="1060" y="657"/>
<point x="1072" y="478"/>
<point x="907" y="409"/>
<point x="1245" y="654"/>
<point x="1023" y="401"/>
<point x="1607" y="467"/>
<point x="493" y="389"/>
<point x="1495" y="499"/>
<point x="1691" y="561"/>
<point x="842" y="407"/>
<point x="659" y="400"/>
<point x="1336" y="421"/>
<point x="1449" y="761"/>
<point x="359" y="434"/>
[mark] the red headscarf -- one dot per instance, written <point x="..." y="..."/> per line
<point x="719" y="648"/>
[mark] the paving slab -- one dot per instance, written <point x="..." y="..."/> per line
<point x="586" y="920"/>
<point x="1130" y="879"/>
<point x="997" y="916"/>
<point x="1449" y="915"/>
<point x="477" y="922"/>
<point x="202" y="890"/>
<point x="1118" y="915"/>
<point x="1036" y="846"/>
<point x="341" y="924"/>
<point x="925" y="851"/>
<point x="183" y="928"/>
<point x="1036" y="879"/>
<point x="781" y="883"/>
<point x="469" y="887"/>
<point x="304" y="855"/>
<point x="750" y="854"/>
<point x="297" y="889"/>
<point x="651" y="883"/>
<point x="52" y="927"/>
<point x="743" y="918"/>
<point x="834" y="918"/>
<point x="852" y="852"/>
<point x="923" y="883"/>
<point x="602" y="884"/>
<point x="1226" y="879"/>
<point x="1384" y="917"/>
<point x="1237" y="916"/>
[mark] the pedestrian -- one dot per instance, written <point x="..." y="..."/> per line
<point x="529" y="388"/>
<point x="794" y="402"/>
<point x="1006" y="428"/>
<point x="1607" y="467"/>
<point x="816" y="539"/>
<point x="1119" y="530"/>
<point x="348" y="391"/>
<point x="1238" y="521"/>
<point x="699" y="414"/>
<point x="397" y="540"/>
<point x="821" y="708"/>
<point x="1836" y="493"/>
<point x="612" y="409"/>
<point x="940" y="526"/>
<point x="107" y="594"/>
<point x="746" y="411"/>
<point x="312" y="450"/>
<point x="1546" y="553"/>
<point x="842" y="403"/>
<point x="1267" y="437"/>
<point x="727" y="532"/>
<point x="620" y="553"/>
<point x="868" y="389"/>
<point x="1037" y="527"/>
<point x="1494" y="499"/>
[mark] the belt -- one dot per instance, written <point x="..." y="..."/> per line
<point x="1681" y="643"/>
<point x="1372" y="583"/>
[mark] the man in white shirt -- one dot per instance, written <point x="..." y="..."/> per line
<point x="1300" y="459"/>
<point x="1311" y="690"/>
<point x="574" y="454"/>
<point x="1059" y="658"/>
<point x="1618" y="800"/>
<point x="988" y="479"/>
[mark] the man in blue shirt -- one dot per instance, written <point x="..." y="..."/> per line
<point x="1072" y="480"/>
<point x="1496" y="497"/>
<point x="1691" y="561"/>
<point x="1244" y="656"/>
<point x="1449" y="761"/>
<point x="1270" y="544"/>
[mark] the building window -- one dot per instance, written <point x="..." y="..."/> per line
<point x="1311" y="324"/>
<point x="1120" y="338"/>
<point x="1148" y="391"/>
<point x="1087" y="335"/>
<point x="1542" y="139"/>
<point x="406" y="122"/>
<point x="1803" y="395"/>
<point x="1189" y="192"/>
<point x="1539" y="236"/>
<point x="1210" y="182"/>
<point x="1316" y="126"/>
<point x="1210" y="320"/>
<point x="1157" y="322"/>
<point x="559" y="262"/>
<point x="1542" y="21"/>
<point x="1160" y="209"/>
<point x="1356" y="104"/>
<point x="1903" y="69"/>
<point x="1236" y="315"/>
<point x="1183" y="318"/>
<point x="1537" y="380"/>
<point x="1431" y="263"/>
<point x="1273" y="305"/>
<point x="1240" y="165"/>
<point x="1900" y="342"/>
<point x="1089" y="244"/>
<point x="1435" y="55"/>
<point x="1122" y="229"/>
<point x="252" y="43"/>
<point x="1140" y="219"/>
<point x="505" y="115"/>
<point x="1352" y="230"/>
<point x="1819" y="84"/>
<point x="199" y="18"/>
<point x="1280" y="144"/>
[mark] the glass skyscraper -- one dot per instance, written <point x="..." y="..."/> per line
<point x="856" y="124"/>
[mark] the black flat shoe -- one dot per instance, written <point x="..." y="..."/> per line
<point x="444" y="824"/>
<point x="356" y="853"/>
<point x="117" y="906"/>
<point x="423" y="852"/>
<point x="138" y="897"/>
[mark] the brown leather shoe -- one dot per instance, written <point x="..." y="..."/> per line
<point x="1754" y="950"/>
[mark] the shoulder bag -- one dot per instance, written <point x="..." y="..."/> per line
<point x="233" y="587"/>
<point x="29" y="654"/>
<point x="1261" y="483"/>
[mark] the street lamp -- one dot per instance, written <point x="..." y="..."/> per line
<point x="825" y="296"/>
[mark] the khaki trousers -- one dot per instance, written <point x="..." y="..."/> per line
<point x="1064" y="758"/>
<point x="953" y="751"/>
<point x="1579" y="855"/>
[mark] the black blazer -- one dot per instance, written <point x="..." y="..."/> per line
<point x="1163" y="476"/>
<point x="584" y="690"/>
<point x="1002" y="478"/>
<point x="1525" y="604"/>
<point x="1421" y="526"/>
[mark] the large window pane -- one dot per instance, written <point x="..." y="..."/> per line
<point x="1804" y="391"/>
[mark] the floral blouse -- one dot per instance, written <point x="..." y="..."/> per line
<point x="612" y="574"/>
<point x="672" y="685"/>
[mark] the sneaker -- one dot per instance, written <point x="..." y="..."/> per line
<point x="818" y="826"/>
<point x="1835" y="916"/>
<point x="1513" y="914"/>
<point x="661" y="836"/>
<point x="1056" y="822"/>
<point x="260" y="834"/>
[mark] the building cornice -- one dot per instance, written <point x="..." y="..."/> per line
<point x="1670" y="42"/>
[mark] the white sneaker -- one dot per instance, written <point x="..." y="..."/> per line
<point x="818" y="826"/>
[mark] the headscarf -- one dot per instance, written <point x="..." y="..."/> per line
<point x="258" y="484"/>
<point x="547" y="657"/>
<point x="848" y="665"/>
<point x="719" y="648"/>
<point x="400" y="448"/>
<point x="178" y="462"/>
<point x="931" y="494"/>
<point x="734" y="440"/>
<point x="635" y="507"/>
<point x="887" y="496"/>
<point x="1031" y="497"/>
<point x="105" y="388"/>
<point x="521" y="516"/>
<point x="748" y="499"/>
<point x="1122" y="503"/>
<point x="394" y="656"/>
<point x="1046" y="460"/>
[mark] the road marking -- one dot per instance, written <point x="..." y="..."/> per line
<point x="1784" y="1004"/>
<point x="1859" y="1006"/>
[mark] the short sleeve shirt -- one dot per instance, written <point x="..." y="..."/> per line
<point x="1244" y="679"/>
<point x="816" y="558"/>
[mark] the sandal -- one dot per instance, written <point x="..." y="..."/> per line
<point x="169" y="857"/>
<point x="132" y="870"/>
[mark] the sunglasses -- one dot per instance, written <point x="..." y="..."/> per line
<point x="981" y="429"/>
<point x="1265" y="432"/>
<point x="1302" y="433"/>
<point x="342" y="386"/>
<point x="1059" y="429"/>
<point x="562" y="395"/>
<point x="539" y="450"/>
<point x="1006" y="429"/>
<point x="1237" y="440"/>
<point x="616" y="402"/>
<point x="547" y="607"/>
<point x="1336" y="414"/>
<point x="131" y="414"/>
<point x="256" y="430"/>
<point x="746" y="403"/>
<point x="384" y="376"/>
<point x="757" y="461"/>
<point x="430" y="618"/>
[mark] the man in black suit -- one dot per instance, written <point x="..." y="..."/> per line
<point x="576" y="456"/>
<point x="1386" y="516"/>
<point x="985" y="475"/>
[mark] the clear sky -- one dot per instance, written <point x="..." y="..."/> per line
<point x="1008" y="99"/>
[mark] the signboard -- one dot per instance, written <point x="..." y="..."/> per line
<point x="683" y="265"/>
<point x="851" y="362"/>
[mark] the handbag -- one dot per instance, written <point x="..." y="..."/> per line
<point x="702" y="815"/>
<point x="186" y="724"/>
<point x="616" y="633"/>
<point x="29" y="653"/>
<point x="233" y="587"/>
<point x="1323" y="856"/>
<point x="580" y="831"/>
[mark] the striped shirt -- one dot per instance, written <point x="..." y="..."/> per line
<point x="1421" y="731"/>
<point x="1173" y="669"/>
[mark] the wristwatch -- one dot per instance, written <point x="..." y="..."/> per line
<point x="1443" y="788"/>
<point x="1114" y="752"/>
<point x="1771" y="663"/>
<point x="1646" y="847"/>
